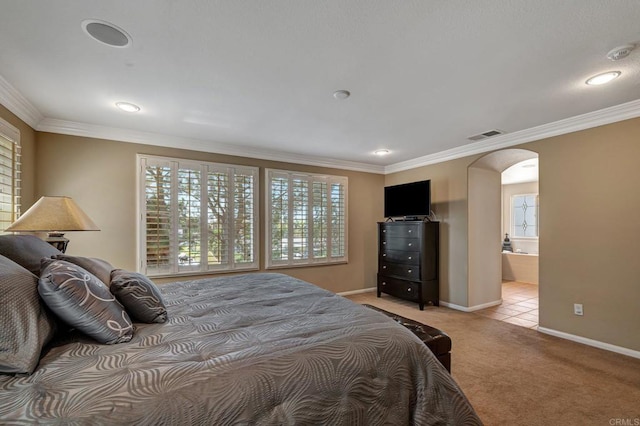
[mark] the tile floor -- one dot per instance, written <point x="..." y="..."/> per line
<point x="519" y="305"/>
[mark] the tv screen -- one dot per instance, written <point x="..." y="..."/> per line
<point x="409" y="199"/>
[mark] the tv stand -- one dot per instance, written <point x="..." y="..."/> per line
<point x="408" y="261"/>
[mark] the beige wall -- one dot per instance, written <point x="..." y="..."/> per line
<point x="101" y="177"/>
<point x="485" y="268"/>
<point x="449" y="202"/>
<point x="589" y="234"/>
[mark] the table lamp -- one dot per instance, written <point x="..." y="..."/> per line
<point x="54" y="215"/>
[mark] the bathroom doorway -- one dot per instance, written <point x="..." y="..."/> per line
<point x="509" y="299"/>
<point x="520" y="224"/>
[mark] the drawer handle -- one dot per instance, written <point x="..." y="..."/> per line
<point x="410" y="258"/>
<point x="384" y="255"/>
<point x="384" y="230"/>
<point x="410" y="244"/>
<point x="409" y="230"/>
<point x="384" y="283"/>
<point x="409" y="289"/>
<point x="409" y="271"/>
<point x="384" y="267"/>
<point x="384" y="243"/>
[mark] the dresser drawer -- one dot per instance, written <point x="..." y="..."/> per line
<point x="399" y="288"/>
<point x="400" y="256"/>
<point x="406" y="271"/>
<point x="407" y="244"/>
<point x="401" y="230"/>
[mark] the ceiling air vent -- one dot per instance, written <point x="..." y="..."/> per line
<point x="485" y="135"/>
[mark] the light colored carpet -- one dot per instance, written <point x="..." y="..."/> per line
<point x="518" y="376"/>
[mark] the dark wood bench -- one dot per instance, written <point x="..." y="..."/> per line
<point x="436" y="340"/>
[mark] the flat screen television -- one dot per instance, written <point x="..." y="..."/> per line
<point x="409" y="200"/>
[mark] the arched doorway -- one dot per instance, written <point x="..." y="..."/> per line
<point x="485" y="225"/>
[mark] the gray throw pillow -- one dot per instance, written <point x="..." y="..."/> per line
<point x="139" y="295"/>
<point x="98" y="267"/>
<point x="26" y="250"/>
<point x="84" y="302"/>
<point x="26" y="326"/>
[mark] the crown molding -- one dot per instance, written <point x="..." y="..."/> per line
<point x="573" y="124"/>
<point x="9" y="131"/>
<point x="148" y="138"/>
<point x="15" y="102"/>
<point x="18" y="104"/>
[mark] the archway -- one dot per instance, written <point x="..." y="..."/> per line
<point x="485" y="225"/>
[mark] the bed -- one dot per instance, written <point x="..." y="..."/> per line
<point x="259" y="348"/>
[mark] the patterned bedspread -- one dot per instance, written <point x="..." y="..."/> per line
<point x="249" y="349"/>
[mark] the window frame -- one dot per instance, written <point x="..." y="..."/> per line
<point x="12" y="135"/>
<point x="270" y="263"/>
<point x="142" y="160"/>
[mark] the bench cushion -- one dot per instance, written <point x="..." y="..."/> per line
<point x="436" y="340"/>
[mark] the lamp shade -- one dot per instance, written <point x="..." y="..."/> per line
<point x="51" y="214"/>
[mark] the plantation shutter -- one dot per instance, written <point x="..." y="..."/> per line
<point x="279" y="195"/>
<point x="198" y="217"/>
<point x="300" y="217"/>
<point x="158" y="220"/>
<point x="338" y="224"/>
<point x="232" y="219"/>
<point x="307" y="218"/>
<point x="245" y="218"/>
<point x="9" y="182"/>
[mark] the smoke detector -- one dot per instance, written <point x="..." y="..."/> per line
<point x="341" y="95"/>
<point x="620" y="52"/>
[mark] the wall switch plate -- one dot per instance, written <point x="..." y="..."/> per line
<point x="577" y="309"/>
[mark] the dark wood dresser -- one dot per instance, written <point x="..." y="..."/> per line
<point x="408" y="261"/>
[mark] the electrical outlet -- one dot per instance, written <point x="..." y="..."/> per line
<point x="577" y="309"/>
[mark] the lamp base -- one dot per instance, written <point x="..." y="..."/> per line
<point x="57" y="240"/>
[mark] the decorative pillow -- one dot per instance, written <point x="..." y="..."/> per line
<point x="84" y="302"/>
<point x="98" y="267"/>
<point x="26" y="250"/>
<point x="26" y="326"/>
<point x="139" y="295"/>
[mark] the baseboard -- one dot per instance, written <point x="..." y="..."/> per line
<point x="349" y="293"/>
<point x="590" y="342"/>
<point x="471" y="308"/>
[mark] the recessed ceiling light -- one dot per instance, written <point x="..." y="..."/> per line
<point x="381" y="152"/>
<point x="341" y="94"/>
<point x="128" y="107"/>
<point x="603" y="78"/>
<point x="106" y="33"/>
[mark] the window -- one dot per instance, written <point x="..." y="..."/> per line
<point x="196" y="217"/>
<point x="524" y="216"/>
<point x="306" y="217"/>
<point x="9" y="174"/>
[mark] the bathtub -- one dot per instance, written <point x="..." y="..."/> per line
<point x="520" y="267"/>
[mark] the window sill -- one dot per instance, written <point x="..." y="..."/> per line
<point x="204" y="273"/>
<point x="306" y="265"/>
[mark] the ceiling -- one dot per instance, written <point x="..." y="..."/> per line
<point x="256" y="78"/>
<point x="524" y="171"/>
